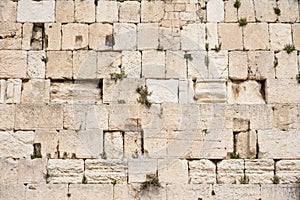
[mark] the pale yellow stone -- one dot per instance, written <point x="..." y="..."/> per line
<point x="113" y="145"/>
<point x="8" y="10"/>
<point x="39" y="191"/>
<point x="238" y="65"/>
<point x="147" y="36"/>
<point x="202" y="172"/>
<point x="84" y="64"/>
<point x="289" y="11"/>
<point x="264" y="10"/>
<point x="153" y="64"/>
<point x="7" y="118"/>
<point x="232" y="191"/>
<point x="261" y="65"/>
<point x="49" y="143"/>
<point x="288" y="171"/>
<point x="132" y="144"/>
<point x="85" y="11"/>
<point x="230" y="35"/>
<point x="107" y="11"/>
<point x="32" y="170"/>
<point x="230" y="171"/>
<point x="13" y="64"/>
<point x="175" y="65"/>
<point x="230" y="11"/>
<point x="59" y="65"/>
<point x="256" y="36"/>
<point x="91" y="191"/>
<point x="36" y="91"/>
<point x="132" y="63"/>
<point x="74" y="36"/>
<point x="173" y="171"/>
<point x="26" y="37"/>
<point x="152" y="11"/>
<point x="130" y="11"/>
<point x="100" y="36"/>
<point x="193" y="37"/>
<point x="210" y="91"/>
<point x="139" y="168"/>
<point x="108" y="63"/>
<point x="259" y="170"/>
<point x="65" y="11"/>
<point x="36" y="65"/>
<point x="280" y="35"/>
<point x="280" y="191"/>
<point x="11" y="35"/>
<point x="246" y="144"/>
<point x="246" y="10"/>
<point x="9" y="172"/>
<point x="287" y="65"/>
<point x="189" y="191"/>
<point x="296" y="35"/>
<point x="53" y="36"/>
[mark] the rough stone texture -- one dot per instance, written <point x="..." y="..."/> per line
<point x="10" y="91"/>
<point x="107" y="11"/>
<point x="13" y="191"/>
<point x="99" y="36"/>
<point x="296" y="35"/>
<point x="230" y="171"/>
<point x="152" y="11"/>
<point x="285" y="117"/>
<point x="189" y="191"/>
<point x="247" y="11"/>
<point x="125" y="36"/>
<point x="232" y="191"/>
<point x="218" y="64"/>
<point x="132" y="144"/>
<point x="108" y="63"/>
<point x="32" y="170"/>
<point x="175" y="64"/>
<point x="162" y="90"/>
<point x="52" y="36"/>
<point x="7" y="119"/>
<point x="256" y="36"/>
<point x="36" y="66"/>
<point x="282" y="191"/>
<point x="230" y="11"/>
<point x="264" y="10"/>
<point x="280" y="35"/>
<point x="59" y="65"/>
<point x="169" y="39"/>
<point x="84" y="11"/>
<point x="71" y="41"/>
<point x="11" y="35"/>
<point x="27" y="34"/>
<point x="153" y="64"/>
<point x="173" y="171"/>
<point x="13" y="64"/>
<point x="96" y="117"/>
<point x="193" y="37"/>
<point x="261" y="65"/>
<point x="288" y="171"/>
<point x="289" y="11"/>
<point x="85" y="65"/>
<point x="238" y="65"/>
<point x="79" y="191"/>
<point x="202" y="172"/>
<point x="134" y="14"/>
<point x="8" y="11"/>
<point x="259" y="170"/>
<point x="147" y="36"/>
<point x="210" y="91"/>
<point x="40" y="191"/>
<point x="138" y="168"/>
<point x="49" y="143"/>
<point x="113" y="145"/>
<point x="230" y="35"/>
<point x="36" y="91"/>
<point x="9" y="171"/>
<point x="287" y="65"/>
<point x="131" y="63"/>
<point x="64" y="11"/>
<point x="215" y="11"/>
<point x="197" y="68"/>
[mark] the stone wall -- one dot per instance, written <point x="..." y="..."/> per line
<point x="173" y="99"/>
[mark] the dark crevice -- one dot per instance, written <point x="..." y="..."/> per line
<point x="142" y="142"/>
<point x="38" y="36"/>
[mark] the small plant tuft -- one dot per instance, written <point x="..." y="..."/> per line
<point x="213" y="193"/>
<point x="103" y="155"/>
<point x="144" y="93"/>
<point x="206" y="61"/>
<point x="46" y="176"/>
<point x="36" y="151"/>
<point x="243" y="22"/>
<point x="234" y="155"/>
<point x="298" y="77"/>
<point x="135" y="154"/>
<point x="289" y="48"/>
<point x="114" y="182"/>
<point x="277" y="11"/>
<point x="237" y="4"/>
<point x="275" y="179"/>
<point x="244" y="180"/>
<point x="188" y="56"/>
<point x="84" y="180"/>
<point x="44" y="59"/>
<point x="206" y="46"/>
<point x="218" y="48"/>
<point x="151" y="181"/>
<point x="118" y="76"/>
<point x="275" y="63"/>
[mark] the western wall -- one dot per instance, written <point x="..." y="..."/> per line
<point x="150" y="99"/>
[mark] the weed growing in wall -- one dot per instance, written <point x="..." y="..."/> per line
<point x="244" y="180"/>
<point x="277" y="11"/>
<point x="275" y="179"/>
<point x="237" y="4"/>
<point x="218" y="47"/>
<point x="118" y="76"/>
<point x="243" y="22"/>
<point x="289" y="48"/>
<point x="151" y="181"/>
<point x="144" y="93"/>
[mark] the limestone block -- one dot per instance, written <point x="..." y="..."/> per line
<point x="79" y="40"/>
<point x="7" y="119"/>
<point x="9" y="171"/>
<point x="52" y="36"/>
<point x="16" y="144"/>
<point x="152" y="11"/>
<point x="125" y="36"/>
<point x="36" y="91"/>
<point x="259" y="170"/>
<point x="280" y="191"/>
<point x="134" y="14"/>
<point x="282" y="145"/>
<point x="36" y="66"/>
<point x="108" y="63"/>
<point x="232" y="191"/>
<point x="288" y="171"/>
<point x="197" y="67"/>
<point x="11" y="35"/>
<point x="27" y="34"/>
<point x="173" y="171"/>
<point x="106" y="171"/>
<point x="212" y="34"/>
<point x="261" y="65"/>
<point x="256" y="36"/>
<point x="13" y="64"/>
<point x="132" y="144"/>
<point x="218" y="64"/>
<point x="42" y="191"/>
<point x="36" y="11"/>
<point x="168" y="39"/>
<point x="84" y="64"/>
<point x="8" y="10"/>
<point x="2" y="91"/>
<point x="210" y="91"/>
<point x="162" y="90"/>
<point x="100" y="36"/>
<point x="123" y="91"/>
<point x="277" y="92"/>
<point x="96" y="116"/>
<point x="188" y="16"/>
<point x="32" y="170"/>
<point x="230" y="11"/>
<point x="65" y="11"/>
<point x="246" y="144"/>
<point x="75" y="116"/>
<point x="65" y="170"/>
<point x="238" y="65"/>
<point x="124" y="192"/>
<point x="186" y="92"/>
<point x="230" y="35"/>
<point x="83" y="92"/>
<point x="11" y="91"/>
<point x="37" y="116"/>
<point x="113" y="145"/>
<point x="100" y="191"/>
<point x="287" y="65"/>
<point x="240" y="124"/>
<point x="189" y="191"/>
<point x="280" y="35"/>
<point x="202" y="172"/>
<point x="193" y="37"/>
<point x="13" y="191"/>
<point x="215" y="11"/>
<point x="285" y="117"/>
<point x="246" y="92"/>
<point x="264" y="10"/>
<point x="289" y="11"/>
<point x="175" y="65"/>
<point x="296" y="35"/>
<point x="247" y="10"/>
<point x="139" y="168"/>
<point x="132" y="63"/>
<point x="59" y="65"/>
<point x="49" y="142"/>
<point x="153" y="64"/>
<point x="261" y="117"/>
<point x="147" y="36"/>
<point x="230" y="171"/>
<point x="107" y="11"/>
<point x="85" y="11"/>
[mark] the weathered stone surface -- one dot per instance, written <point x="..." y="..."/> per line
<point x="261" y="117"/>
<point x="27" y="34"/>
<point x="96" y="116"/>
<point x="296" y="35"/>
<point x="281" y="191"/>
<point x="230" y="35"/>
<point x="232" y="191"/>
<point x="9" y="171"/>
<point x="65" y="171"/>
<point x="289" y="11"/>
<point x="37" y="116"/>
<point x="277" y="144"/>
<point x="36" y="66"/>
<point x="162" y="90"/>
<point x="280" y="35"/>
<point x="13" y="64"/>
<point x="230" y="171"/>
<point x="246" y="144"/>
<point x="85" y="11"/>
<point x="100" y="36"/>
<point x="259" y="170"/>
<point x="132" y="144"/>
<point x="41" y="191"/>
<point x="288" y="171"/>
<point x="186" y="92"/>
<point x="107" y="11"/>
<point x="138" y="168"/>
<point x="197" y="67"/>
<point x="193" y="37"/>
<point x="287" y="65"/>
<point x="89" y="191"/>
<point x="71" y="41"/>
<point x="285" y="117"/>
<point x="153" y="64"/>
<point x="108" y="63"/>
<point x="212" y="34"/>
<point x="231" y="13"/>
<point x="36" y="11"/>
<point x="218" y="64"/>
<point x="189" y="191"/>
<point x="65" y="11"/>
<point x="11" y="35"/>
<point x="134" y="14"/>
<point x="59" y="65"/>
<point x="84" y="65"/>
<point x="8" y="10"/>
<point x="49" y="142"/>
<point x="132" y="63"/>
<point x="113" y="145"/>
<point x="202" y="172"/>
<point x="173" y="171"/>
<point x="32" y="170"/>
<point x="105" y="171"/>
<point x="210" y="91"/>
<point x="256" y="36"/>
<point x="13" y="191"/>
<point x="147" y="36"/>
<point x="261" y="65"/>
<point x="10" y="91"/>
<point x="215" y="11"/>
<point x="7" y="119"/>
<point x="246" y="10"/>
<point x="240" y="124"/>
<point x="238" y="65"/>
<point x="36" y="91"/>
<point x="168" y="39"/>
<point x="52" y="36"/>
<point x="16" y="144"/>
<point x="125" y="36"/>
<point x="175" y="65"/>
<point x="152" y="11"/>
<point x="264" y="10"/>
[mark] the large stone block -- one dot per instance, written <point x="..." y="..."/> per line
<point x="163" y="90"/>
<point x="215" y="11"/>
<point x="132" y="63"/>
<point x="289" y="11"/>
<point x="53" y="36"/>
<point x="261" y="65"/>
<point x="175" y="65"/>
<point x="168" y="39"/>
<point x="32" y="170"/>
<point x="65" y="11"/>
<point x="8" y="11"/>
<point x="280" y="35"/>
<point x="36" y="11"/>
<point x="173" y="171"/>
<point x="197" y="67"/>
<point x="85" y="11"/>
<point x="100" y="36"/>
<point x="139" y="168"/>
<point x="49" y="142"/>
<point x="11" y="35"/>
<point x="59" y="65"/>
<point x="36" y="91"/>
<point x="147" y="36"/>
<point x="232" y="191"/>
<point x="100" y="191"/>
<point x="288" y="171"/>
<point x="75" y="36"/>
<point x="296" y="35"/>
<point x="256" y="36"/>
<point x="230" y="171"/>
<point x="153" y="64"/>
<point x="285" y="117"/>
<point x="42" y="191"/>
<point x="108" y="63"/>
<point x="152" y="11"/>
<point x="231" y="13"/>
<point x="193" y="37"/>
<point x="13" y="191"/>
<point x="287" y="65"/>
<point x="212" y="34"/>
<point x="238" y="65"/>
<point x="202" y="172"/>
<point x="217" y="64"/>
<point x="189" y="191"/>
<point x="36" y="66"/>
<point x="84" y="64"/>
<point x="10" y="91"/>
<point x="125" y="36"/>
<point x="210" y="91"/>
<point x="132" y="144"/>
<point x="26" y="36"/>
<point x="9" y="171"/>
<point x="264" y="10"/>
<point x="113" y="145"/>
<point x="107" y="11"/>
<point x="135" y="11"/>
<point x="246" y="10"/>
<point x="230" y="35"/>
<point x="261" y="117"/>
<point x="96" y="116"/>
<point x="7" y="119"/>
<point x="259" y="170"/>
<point x="280" y="191"/>
<point x="13" y="64"/>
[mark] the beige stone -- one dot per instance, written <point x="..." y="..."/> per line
<point x="212" y="34"/>
<point x="259" y="170"/>
<point x="32" y="170"/>
<point x="96" y="191"/>
<point x="296" y="35"/>
<point x="132" y="144"/>
<point x="264" y="10"/>
<point x="197" y="67"/>
<point x="232" y="191"/>
<point x="36" y="65"/>
<point x="147" y="36"/>
<point x="152" y="11"/>
<point x="247" y="11"/>
<point x="230" y="171"/>
<point x="130" y="11"/>
<point x="193" y="37"/>
<point x="39" y="191"/>
<point x="139" y="168"/>
<point x="218" y="64"/>
<point x="186" y="93"/>
<point x="240" y="124"/>
<point x="71" y="41"/>
<point x="230" y="35"/>
<point x="202" y="172"/>
<point x="168" y="39"/>
<point x="11" y="92"/>
<point x="238" y="65"/>
<point x="85" y="64"/>
<point x="125" y="36"/>
<point x="155" y="143"/>
<point x="278" y="144"/>
<point x="11" y="35"/>
<point x="173" y="171"/>
<point x="53" y="36"/>
<point x="36" y="91"/>
<point x="132" y="63"/>
<point x="13" y="64"/>
<point x="215" y="11"/>
<point x="108" y="63"/>
<point x="280" y="191"/>
<point x="75" y="117"/>
<point x="9" y="171"/>
<point x="107" y="11"/>
<point x="288" y="171"/>
<point x="100" y="36"/>
<point x="285" y="117"/>
<point x="85" y="11"/>
<point x="175" y="65"/>
<point x="153" y="64"/>
<point x="59" y="65"/>
<point x="287" y="65"/>
<point x="280" y="35"/>
<point x="13" y="191"/>
<point x="261" y="117"/>
<point x="7" y="119"/>
<point x="256" y="36"/>
<point x="26" y="36"/>
<point x="261" y="65"/>
<point x="113" y="145"/>
<point x="96" y="117"/>
<point x="65" y="11"/>
<point x="65" y="170"/>
<point x="230" y="11"/>
<point x="8" y="10"/>
<point x="210" y="91"/>
<point x="49" y="142"/>
<point x="162" y="90"/>
<point x="189" y="191"/>
<point x="246" y="144"/>
<point x="289" y="11"/>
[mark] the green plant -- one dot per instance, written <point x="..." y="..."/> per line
<point x="36" y="151"/>
<point x="188" y="56"/>
<point x="114" y="182"/>
<point x="277" y="11"/>
<point x="46" y="176"/>
<point x="243" y="22"/>
<point x="289" y="48"/>
<point x="84" y="180"/>
<point x="206" y="46"/>
<point x="275" y="63"/>
<point x="44" y="59"/>
<point x="151" y="181"/>
<point x="234" y="155"/>
<point x="298" y="77"/>
<point x="244" y="180"/>
<point x="135" y="154"/>
<point x="103" y="155"/>
<point x="144" y="93"/>
<point x="237" y="4"/>
<point x="118" y="76"/>
<point x="275" y="179"/>
<point x="218" y="48"/>
<point x="121" y="101"/>
<point x="213" y="193"/>
<point x="206" y="61"/>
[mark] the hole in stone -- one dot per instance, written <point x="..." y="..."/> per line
<point x="37" y="38"/>
<point x="110" y="40"/>
<point x="78" y="39"/>
<point x="36" y="151"/>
